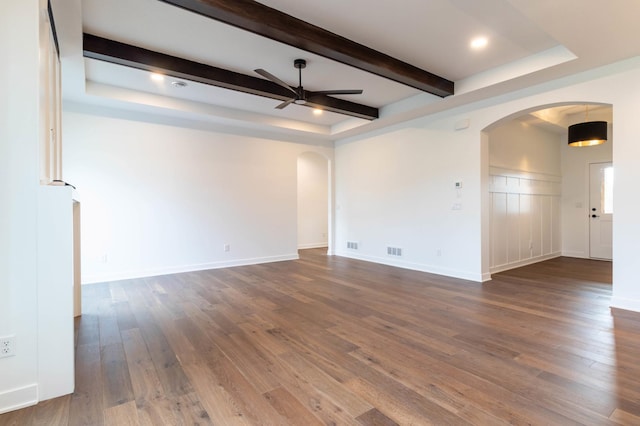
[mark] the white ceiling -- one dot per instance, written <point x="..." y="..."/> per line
<point x="558" y="119"/>
<point x="529" y="42"/>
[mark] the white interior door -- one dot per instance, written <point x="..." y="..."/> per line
<point x="600" y="210"/>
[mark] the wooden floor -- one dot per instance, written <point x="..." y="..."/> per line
<point x="329" y="340"/>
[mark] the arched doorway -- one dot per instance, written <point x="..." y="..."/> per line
<point x="538" y="204"/>
<point x="314" y="191"/>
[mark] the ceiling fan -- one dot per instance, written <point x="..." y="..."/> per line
<point x="300" y="95"/>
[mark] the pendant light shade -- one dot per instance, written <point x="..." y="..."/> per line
<point x="588" y="134"/>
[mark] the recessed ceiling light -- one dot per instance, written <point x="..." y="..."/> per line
<point x="157" y="77"/>
<point x="178" y="84"/>
<point x="317" y="111"/>
<point x="479" y="42"/>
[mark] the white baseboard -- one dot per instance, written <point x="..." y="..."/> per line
<point x="312" y="245"/>
<point x="16" y="399"/>
<point x="513" y="265"/>
<point x="127" y="275"/>
<point x="431" y="269"/>
<point x="626" y="304"/>
<point x="575" y="253"/>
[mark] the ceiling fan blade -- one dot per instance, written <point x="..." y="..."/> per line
<point x="339" y="92"/>
<point x="273" y="78"/>
<point x="285" y="104"/>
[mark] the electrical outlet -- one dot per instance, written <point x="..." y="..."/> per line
<point x="227" y="248"/>
<point x="7" y="346"/>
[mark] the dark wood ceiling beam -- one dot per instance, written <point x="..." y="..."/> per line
<point x="136" y="57"/>
<point x="268" y="22"/>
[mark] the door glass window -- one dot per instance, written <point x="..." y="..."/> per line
<point x="607" y="191"/>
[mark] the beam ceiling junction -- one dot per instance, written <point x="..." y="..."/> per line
<point x="265" y="21"/>
<point x="136" y="57"/>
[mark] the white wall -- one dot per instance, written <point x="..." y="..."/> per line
<point x="524" y="191"/>
<point x="575" y="194"/>
<point x="515" y="145"/>
<point x="313" y="200"/>
<point x="398" y="189"/>
<point x="159" y="198"/>
<point x="19" y="178"/>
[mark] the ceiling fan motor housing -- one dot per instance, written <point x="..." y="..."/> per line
<point x="299" y="92"/>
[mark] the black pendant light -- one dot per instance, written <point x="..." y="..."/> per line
<point x="589" y="133"/>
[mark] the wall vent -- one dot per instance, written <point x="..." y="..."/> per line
<point x="394" y="251"/>
<point x="352" y="245"/>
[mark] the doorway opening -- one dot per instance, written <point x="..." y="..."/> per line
<point x="313" y="201"/>
<point x="539" y="201"/>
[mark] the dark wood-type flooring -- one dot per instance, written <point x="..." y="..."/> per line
<point x="329" y="340"/>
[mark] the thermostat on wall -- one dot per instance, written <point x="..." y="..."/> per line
<point x="459" y="185"/>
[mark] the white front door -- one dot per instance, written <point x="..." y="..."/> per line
<point x="600" y="210"/>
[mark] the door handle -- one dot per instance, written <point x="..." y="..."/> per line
<point x="594" y="215"/>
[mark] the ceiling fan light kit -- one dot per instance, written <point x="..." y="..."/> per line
<point x="300" y="95"/>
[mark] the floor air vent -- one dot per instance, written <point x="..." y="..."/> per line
<point x="352" y="245"/>
<point x="394" y="251"/>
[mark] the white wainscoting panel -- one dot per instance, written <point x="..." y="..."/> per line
<point x="525" y="218"/>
